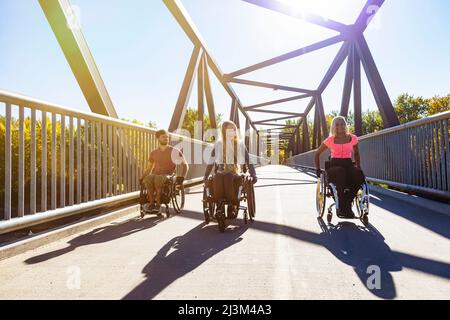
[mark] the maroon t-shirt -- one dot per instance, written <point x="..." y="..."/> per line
<point x="165" y="161"/>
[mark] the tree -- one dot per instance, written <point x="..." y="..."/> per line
<point x="150" y="124"/>
<point x="191" y="117"/>
<point x="409" y="108"/>
<point x="438" y="104"/>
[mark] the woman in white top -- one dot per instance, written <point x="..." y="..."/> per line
<point x="228" y="155"/>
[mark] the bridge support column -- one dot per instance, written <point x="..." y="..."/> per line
<point x="380" y="94"/>
<point x="180" y="108"/>
<point x="64" y="23"/>
<point x="209" y="96"/>
<point x="200" y="100"/>
<point x="347" y="83"/>
<point x="357" y="92"/>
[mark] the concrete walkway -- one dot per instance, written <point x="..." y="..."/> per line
<point x="285" y="254"/>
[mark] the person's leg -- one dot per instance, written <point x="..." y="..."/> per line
<point x="160" y="180"/>
<point x="337" y="175"/>
<point x="218" y="184"/>
<point x="149" y="182"/>
<point x="355" y="178"/>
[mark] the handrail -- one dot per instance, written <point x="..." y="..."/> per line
<point x="22" y="100"/>
<point x="79" y="158"/>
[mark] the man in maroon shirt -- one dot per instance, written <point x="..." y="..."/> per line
<point x="161" y="164"/>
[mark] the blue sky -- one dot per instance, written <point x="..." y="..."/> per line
<point x="142" y="53"/>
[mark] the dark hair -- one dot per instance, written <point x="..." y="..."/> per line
<point x="159" y="133"/>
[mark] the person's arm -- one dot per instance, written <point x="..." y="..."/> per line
<point x="357" y="156"/>
<point x="210" y="166"/>
<point x="319" y="151"/>
<point x="251" y="167"/>
<point x="148" y="170"/>
<point x="184" y="168"/>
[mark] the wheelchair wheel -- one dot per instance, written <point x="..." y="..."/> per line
<point x="365" y="220"/>
<point x="321" y="197"/>
<point x="209" y="208"/>
<point x="362" y="201"/>
<point x="251" y="200"/>
<point x="178" y="198"/>
<point x="221" y="221"/>
<point x="142" y="200"/>
<point x="167" y="211"/>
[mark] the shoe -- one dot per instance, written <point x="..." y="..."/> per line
<point x="349" y="214"/>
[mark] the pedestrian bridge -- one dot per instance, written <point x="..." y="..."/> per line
<point x="70" y="226"/>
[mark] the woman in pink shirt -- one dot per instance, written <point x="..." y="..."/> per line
<point x="347" y="176"/>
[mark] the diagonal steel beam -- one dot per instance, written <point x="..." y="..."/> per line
<point x="277" y="112"/>
<point x="335" y="65"/>
<point x="380" y="94"/>
<point x="232" y="110"/>
<point x="322" y="119"/>
<point x="287" y="56"/>
<point x="277" y="125"/>
<point x="347" y="83"/>
<point x="62" y="20"/>
<point x="269" y="103"/>
<point x="185" y="92"/>
<point x="367" y="13"/>
<point x="357" y="93"/>
<point x="274" y="119"/>
<point x="184" y="20"/>
<point x="200" y="99"/>
<point x="209" y="96"/>
<point x="270" y="86"/>
<point x="290" y="10"/>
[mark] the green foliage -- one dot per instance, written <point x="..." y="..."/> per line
<point x="150" y="124"/>
<point x="191" y="117"/>
<point x="409" y="108"/>
<point x="438" y="104"/>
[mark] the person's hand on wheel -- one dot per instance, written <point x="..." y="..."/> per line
<point x="179" y="181"/>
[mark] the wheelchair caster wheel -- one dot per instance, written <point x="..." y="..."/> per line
<point x="220" y="217"/>
<point x="221" y="225"/>
<point x="207" y="218"/>
<point x="329" y="217"/>
<point x="245" y="217"/>
<point x="142" y="214"/>
<point x="365" y="220"/>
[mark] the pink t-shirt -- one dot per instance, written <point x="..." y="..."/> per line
<point x="341" y="150"/>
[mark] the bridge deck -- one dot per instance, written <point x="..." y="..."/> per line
<point x="286" y="253"/>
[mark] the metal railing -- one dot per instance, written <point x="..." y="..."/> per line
<point x="58" y="161"/>
<point x="414" y="157"/>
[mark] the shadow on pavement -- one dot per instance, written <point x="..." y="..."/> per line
<point x="187" y="252"/>
<point x="100" y="235"/>
<point x="436" y="222"/>
<point x="363" y="248"/>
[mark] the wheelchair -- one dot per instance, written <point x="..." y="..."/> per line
<point x="326" y="189"/>
<point x="215" y="211"/>
<point x="171" y="193"/>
